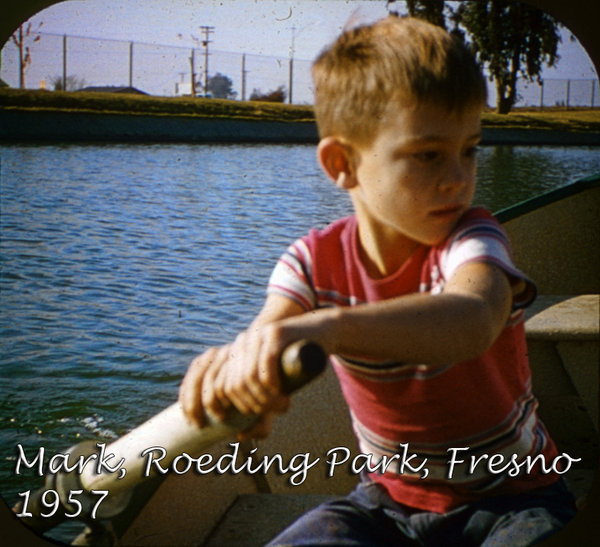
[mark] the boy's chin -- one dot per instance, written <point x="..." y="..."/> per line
<point x="437" y="239"/>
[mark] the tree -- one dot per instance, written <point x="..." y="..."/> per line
<point x="277" y="96"/>
<point x="221" y="87"/>
<point x="19" y="38"/>
<point x="512" y="39"/>
<point x="73" y="83"/>
<point x="433" y="11"/>
<point x="430" y="10"/>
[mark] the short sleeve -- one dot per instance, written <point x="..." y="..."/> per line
<point x="291" y="276"/>
<point x="481" y="238"/>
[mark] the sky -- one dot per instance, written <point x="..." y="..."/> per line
<point x="251" y="26"/>
<point x="262" y="27"/>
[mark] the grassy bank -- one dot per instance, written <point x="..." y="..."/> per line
<point x="117" y="103"/>
<point x="572" y="119"/>
<point x="578" y="120"/>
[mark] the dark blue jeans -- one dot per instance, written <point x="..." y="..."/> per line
<point x="369" y="517"/>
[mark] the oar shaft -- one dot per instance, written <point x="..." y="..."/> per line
<point x="171" y="431"/>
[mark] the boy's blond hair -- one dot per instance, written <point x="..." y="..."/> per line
<point x="399" y="61"/>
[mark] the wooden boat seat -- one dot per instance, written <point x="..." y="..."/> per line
<point x="563" y="338"/>
<point x="565" y="330"/>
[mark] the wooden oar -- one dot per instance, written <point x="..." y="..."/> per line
<point x="169" y="430"/>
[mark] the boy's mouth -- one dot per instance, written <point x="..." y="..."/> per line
<point x="447" y="212"/>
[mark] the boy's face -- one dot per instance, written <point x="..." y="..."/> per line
<point x="417" y="178"/>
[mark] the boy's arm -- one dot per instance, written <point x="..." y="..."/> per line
<point x="456" y="325"/>
<point x="243" y="373"/>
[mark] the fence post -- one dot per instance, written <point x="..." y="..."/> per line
<point x="542" y="94"/>
<point x="291" y="79"/>
<point x="593" y="93"/>
<point x="130" y="64"/>
<point x="568" y="92"/>
<point x="64" y="62"/>
<point x="243" y="77"/>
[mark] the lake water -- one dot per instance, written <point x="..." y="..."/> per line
<point x="122" y="262"/>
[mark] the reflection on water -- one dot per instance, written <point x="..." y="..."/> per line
<point x="121" y="262"/>
<point x="510" y="174"/>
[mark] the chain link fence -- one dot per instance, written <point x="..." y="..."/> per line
<point x="555" y="92"/>
<point x="167" y="71"/>
<point x="154" y="69"/>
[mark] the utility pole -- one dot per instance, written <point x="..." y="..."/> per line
<point x="192" y="75"/>
<point x="291" y="69"/>
<point x="207" y="30"/>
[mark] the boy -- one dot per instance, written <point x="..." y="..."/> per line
<point x="416" y="300"/>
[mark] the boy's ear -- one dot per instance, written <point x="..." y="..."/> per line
<point x="336" y="159"/>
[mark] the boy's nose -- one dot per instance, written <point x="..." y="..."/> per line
<point x="455" y="175"/>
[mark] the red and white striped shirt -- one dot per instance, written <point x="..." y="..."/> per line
<point x="484" y="404"/>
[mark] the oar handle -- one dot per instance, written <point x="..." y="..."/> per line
<point x="170" y="430"/>
<point x="301" y="362"/>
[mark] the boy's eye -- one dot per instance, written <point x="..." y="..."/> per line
<point x="428" y="155"/>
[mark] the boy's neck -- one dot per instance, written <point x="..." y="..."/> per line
<point x="382" y="252"/>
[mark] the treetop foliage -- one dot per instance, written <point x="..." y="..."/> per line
<point x="509" y="38"/>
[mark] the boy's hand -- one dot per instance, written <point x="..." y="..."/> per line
<point x="244" y="374"/>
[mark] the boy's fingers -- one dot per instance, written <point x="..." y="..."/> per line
<point x="244" y="385"/>
<point x="195" y="384"/>
<point x="246" y="397"/>
<point x="253" y="397"/>
<point x="212" y="398"/>
<point x="268" y="371"/>
<point x="244" y="374"/>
